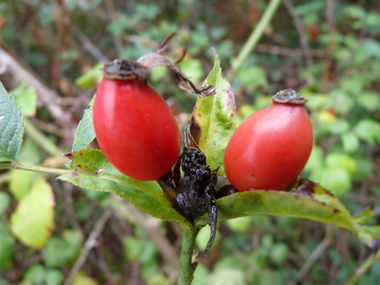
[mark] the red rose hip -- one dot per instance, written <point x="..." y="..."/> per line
<point x="271" y="147"/>
<point x="135" y="128"/>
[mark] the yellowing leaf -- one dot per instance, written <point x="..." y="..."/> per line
<point x="33" y="220"/>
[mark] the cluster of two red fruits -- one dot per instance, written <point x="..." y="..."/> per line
<point x="139" y="135"/>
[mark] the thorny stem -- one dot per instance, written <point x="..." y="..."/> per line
<point x="254" y="37"/>
<point x="186" y="270"/>
<point x="15" y="165"/>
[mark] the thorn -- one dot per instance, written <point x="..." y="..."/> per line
<point x="68" y="155"/>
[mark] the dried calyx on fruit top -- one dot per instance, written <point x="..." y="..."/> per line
<point x="289" y="96"/>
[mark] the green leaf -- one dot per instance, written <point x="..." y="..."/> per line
<point x="82" y="279"/>
<point x="90" y="78"/>
<point x="340" y="100"/>
<point x="54" y="277"/>
<point x="336" y="179"/>
<point x="215" y="117"/>
<point x="20" y="182"/>
<point x="279" y="253"/>
<point x="59" y="252"/>
<point x="26" y="99"/>
<point x="240" y="225"/>
<point x="35" y="274"/>
<point x="313" y="202"/>
<point x="85" y="131"/>
<point x="5" y="201"/>
<point x="33" y="220"/>
<point x="7" y="243"/>
<point x="368" y="130"/>
<point x="370" y="47"/>
<point x="364" y="216"/>
<point x="193" y="69"/>
<point x="11" y="126"/>
<point x="253" y="76"/>
<point x="350" y="142"/>
<point x="339" y="160"/>
<point x="204" y="236"/>
<point x="226" y="276"/>
<point x="133" y="247"/>
<point x="144" y="194"/>
<point x="369" y="100"/>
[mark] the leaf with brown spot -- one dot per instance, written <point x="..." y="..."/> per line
<point x="213" y="121"/>
<point x="321" y="206"/>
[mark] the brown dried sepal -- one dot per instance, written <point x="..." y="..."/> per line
<point x="289" y="96"/>
<point x="124" y="69"/>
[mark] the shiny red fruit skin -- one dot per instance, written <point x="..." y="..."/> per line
<point x="270" y="148"/>
<point x="135" y="129"/>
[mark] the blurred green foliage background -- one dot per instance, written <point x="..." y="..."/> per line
<point x="329" y="51"/>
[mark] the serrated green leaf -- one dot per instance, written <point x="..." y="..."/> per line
<point x="144" y="194"/>
<point x="85" y="131"/>
<point x="33" y="220"/>
<point x="215" y="117"/>
<point x="11" y="126"/>
<point x="317" y="205"/>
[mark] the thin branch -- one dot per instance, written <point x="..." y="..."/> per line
<point x="47" y="127"/>
<point x="312" y="258"/>
<point x="301" y="32"/>
<point x="255" y="36"/>
<point x="89" y="46"/>
<point x="112" y="16"/>
<point x="89" y="244"/>
<point x="282" y="51"/>
<point x="48" y="97"/>
<point x="329" y="55"/>
<point x="363" y="268"/>
<point x="41" y="139"/>
<point x="152" y="227"/>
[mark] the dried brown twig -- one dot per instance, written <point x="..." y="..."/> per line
<point x="89" y="244"/>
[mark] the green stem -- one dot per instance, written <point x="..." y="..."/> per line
<point x="362" y="269"/>
<point x="254" y="37"/>
<point x="33" y="168"/>
<point x="186" y="270"/>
